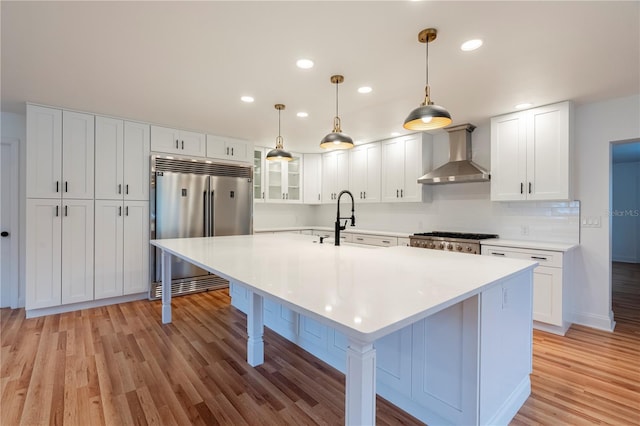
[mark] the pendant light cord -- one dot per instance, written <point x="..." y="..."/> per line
<point x="278" y="123"/>
<point x="337" y="115"/>
<point x="427" y="61"/>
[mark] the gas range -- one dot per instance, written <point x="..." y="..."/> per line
<point x="450" y="241"/>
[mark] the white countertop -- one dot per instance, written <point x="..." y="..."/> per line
<point x="363" y="292"/>
<point x="536" y="245"/>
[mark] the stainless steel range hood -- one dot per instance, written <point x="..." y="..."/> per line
<point x="460" y="168"/>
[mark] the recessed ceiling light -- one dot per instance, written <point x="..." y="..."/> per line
<point x="364" y="89"/>
<point x="395" y="134"/>
<point x="523" y="105"/>
<point x="247" y="99"/>
<point x="471" y="45"/>
<point x="302" y="114"/>
<point x="305" y="64"/>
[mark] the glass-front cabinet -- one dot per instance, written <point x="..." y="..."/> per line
<point x="258" y="174"/>
<point x="284" y="180"/>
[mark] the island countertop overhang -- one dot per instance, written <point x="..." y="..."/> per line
<point x="366" y="293"/>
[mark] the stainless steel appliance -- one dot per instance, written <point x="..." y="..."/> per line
<point x="196" y="198"/>
<point x="450" y="241"/>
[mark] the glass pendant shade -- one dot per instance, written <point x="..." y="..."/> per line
<point x="336" y="139"/>
<point x="427" y="116"/>
<point x="278" y="153"/>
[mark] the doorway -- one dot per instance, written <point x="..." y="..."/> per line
<point x="9" y="222"/>
<point x="625" y="231"/>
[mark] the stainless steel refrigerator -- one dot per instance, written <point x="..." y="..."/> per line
<point x="196" y="198"/>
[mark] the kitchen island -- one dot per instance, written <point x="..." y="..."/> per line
<point x="453" y="331"/>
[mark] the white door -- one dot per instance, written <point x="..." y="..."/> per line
<point x="136" y="161"/>
<point x="77" y="155"/>
<point x="109" y="146"/>
<point x="77" y="251"/>
<point x="9" y="226"/>
<point x="108" y="248"/>
<point x="136" y="247"/>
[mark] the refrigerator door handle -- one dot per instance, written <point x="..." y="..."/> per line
<point x="205" y="216"/>
<point x="212" y="216"/>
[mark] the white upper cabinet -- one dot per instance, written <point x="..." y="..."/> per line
<point x="312" y="179"/>
<point x="404" y="160"/>
<point x="229" y="149"/>
<point x="44" y="152"/>
<point x="364" y="177"/>
<point x="77" y="155"/>
<point x="530" y="154"/>
<point x="284" y="180"/>
<point x="335" y="174"/>
<point x="60" y="153"/>
<point x="174" y="141"/>
<point x="258" y="174"/>
<point x="122" y="160"/>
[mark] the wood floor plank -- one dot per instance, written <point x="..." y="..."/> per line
<point x="118" y="365"/>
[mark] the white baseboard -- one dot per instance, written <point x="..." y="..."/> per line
<point x="549" y="328"/>
<point x="599" y="322"/>
<point x="33" y="313"/>
<point x="512" y="405"/>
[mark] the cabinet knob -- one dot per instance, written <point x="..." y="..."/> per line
<point x="4" y="234"/>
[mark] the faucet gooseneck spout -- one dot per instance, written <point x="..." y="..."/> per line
<point x="339" y="227"/>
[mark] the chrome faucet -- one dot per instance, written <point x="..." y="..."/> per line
<point x="338" y="227"/>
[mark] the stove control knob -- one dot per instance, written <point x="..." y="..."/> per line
<point x="469" y="249"/>
<point x="450" y="247"/>
<point x="432" y="245"/>
<point x="441" y="246"/>
<point x="459" y="248"/>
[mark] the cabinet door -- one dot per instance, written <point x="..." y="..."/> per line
<point x="392" y="169"/>
<point x="412" y="158"/>
<point x="508" y="157"/>
<point x="548" y="152"/>
<point x="374" y="164"/>
<point x="43" y="261"/>
<point x="77" y="251"/>
<point x="136" y="161"/>
<point x="165" y="139"/>
<point x="312" y="178"/>
<point x="44" y="152"/>
<point x="293" y="183"/>
<point x="258" y="175"/>
<point x="393" y="353"/>
<point x="136" y="247"/>
<point x="108" y="248"/>
<point x="109" y="151"/>
<point x="192" y="143"/>
<point x="217" y="147"/>
<point x="239" y="150"/>
<point x="342" y="171"/>
<point x="547" y="295"/>
<point x="329" y="176"/>
<point x="358" y="172"/>
<point x="77" y="155"/>
<point x="275" y="176"/>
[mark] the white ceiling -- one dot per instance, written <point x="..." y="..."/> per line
<point x="186" y="64"/>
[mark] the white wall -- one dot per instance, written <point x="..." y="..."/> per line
<point x="625" y="213"/>
<point x="597" y="125"/>
<point x="14" y="126"/>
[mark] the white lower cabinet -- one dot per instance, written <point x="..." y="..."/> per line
<point x="550" y="284"/>
<point x="122" y="253"/>
<point x="59" y="262"/>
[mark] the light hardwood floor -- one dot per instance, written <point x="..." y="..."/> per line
<point x="118" y="365"/>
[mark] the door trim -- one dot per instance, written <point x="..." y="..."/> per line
<point x="11" y="299"/>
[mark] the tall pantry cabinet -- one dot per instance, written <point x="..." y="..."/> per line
<point x="122" y="207"/>
<point x="59" y="237"/>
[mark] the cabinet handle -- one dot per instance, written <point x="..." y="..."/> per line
<point x="120" y="211"/>
<point x="182" y="144"/>
<point x="361" y="195"/>
<point x="232" y="151"/>
<point x="126" y="189"/>
<point x="529" y="187"/>
<point x="227" y="150"/>
<point x="126" y="211"/>
<point x="397" y="193"/>
<point x="119" y="188"/>
<point x="386" y="242"/>
<point x="287" y="195"/>
<point x="365" y="194"/>
<point x="318" y="196"/>
<point x="263" y="195"/>
<point x="283" y="195"/>
<point x="66" y="186"/>
<point x="402" y="193"/>
<point x="57" y="186"/>
<point x="177" y="141"/>
<point x="57" y="213"/>
<point x="66" y="210"/>
<point x="521" y="188"/>
<point x="497" y="254"/>
<point x="359" y="239"/>
<point x="539" y="258"/>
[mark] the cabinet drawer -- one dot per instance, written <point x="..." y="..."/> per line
<point x="374" y="240"/>
<point x="543" y="257"/>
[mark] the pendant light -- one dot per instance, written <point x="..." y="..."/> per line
<point x="427" y="116"/>
<point x="336" y="139"/>
<point x="279" y="154"/>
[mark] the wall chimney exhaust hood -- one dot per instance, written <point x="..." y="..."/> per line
<point x="460" y="168"/>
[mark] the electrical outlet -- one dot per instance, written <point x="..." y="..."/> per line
<point x="591" y="222"/>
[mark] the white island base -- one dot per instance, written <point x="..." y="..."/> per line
<point x="467" y="364"/>
<point x="445" y="336"/>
